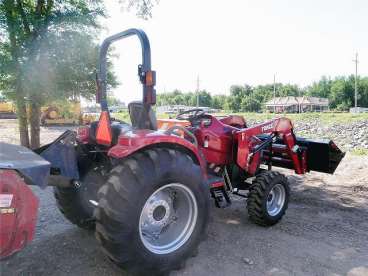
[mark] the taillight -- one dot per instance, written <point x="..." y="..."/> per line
<point x="83" y="134"/>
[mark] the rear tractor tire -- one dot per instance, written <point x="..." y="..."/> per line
<point x="152" y="212"/>
<point x="268" y="198"/>
<point x="78" y="202"/>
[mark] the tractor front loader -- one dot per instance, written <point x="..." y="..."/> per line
<point x="146" y="192"/>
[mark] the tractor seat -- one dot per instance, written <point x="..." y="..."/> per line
<point x="117" y="128"/>
<point x="142" y="116"/>
<point x="234" y="121"/>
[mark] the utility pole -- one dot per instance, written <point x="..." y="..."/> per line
<point x="274" y="93"/>
<point x="197" y="90"/>
<point x="356" y="80"/>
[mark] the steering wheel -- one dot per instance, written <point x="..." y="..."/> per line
<point x="190" y="114"/>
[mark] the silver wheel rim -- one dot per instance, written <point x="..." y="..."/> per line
<point x="168" y="218"/>
<point x="276" y="199"/>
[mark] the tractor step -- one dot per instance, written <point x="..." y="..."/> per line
<point x="222" y="199"/>
<point x="221" y="196"/>
<point x="218" y="191"/>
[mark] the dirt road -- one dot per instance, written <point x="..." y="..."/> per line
<point x="324" y="232"/>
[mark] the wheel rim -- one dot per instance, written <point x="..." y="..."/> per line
<point x="276" y="200"/>
<point x="168" y="218"/>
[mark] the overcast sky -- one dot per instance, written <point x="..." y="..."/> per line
<point x="238" y="42"/>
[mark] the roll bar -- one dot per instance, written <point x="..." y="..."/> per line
<point x="146" y="76"/>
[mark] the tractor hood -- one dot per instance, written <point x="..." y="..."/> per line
<point x="30" y="165"/>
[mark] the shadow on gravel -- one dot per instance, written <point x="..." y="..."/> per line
<point x="343" y="198"/>
<point x="73" y="252"/>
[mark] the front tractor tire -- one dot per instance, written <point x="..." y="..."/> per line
<point x="268" y="198"/>
<point x="152" y="212"/>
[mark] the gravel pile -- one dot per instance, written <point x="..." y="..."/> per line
<point x="348" y="136"/>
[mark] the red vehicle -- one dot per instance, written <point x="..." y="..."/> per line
<point x="19" y="167"/>
<point x="146" y="192"/>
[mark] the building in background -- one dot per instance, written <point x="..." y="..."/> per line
<point x="358" y="109"/>
<point x="297" y="104"/>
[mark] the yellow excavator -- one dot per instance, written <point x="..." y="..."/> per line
<point x="57" y="113"/>
<point x="7" y="110"/>
<point x="64" y="113"/>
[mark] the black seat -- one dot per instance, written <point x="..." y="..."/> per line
<point x="117" y="128"/>
<point x="141" y="116"/>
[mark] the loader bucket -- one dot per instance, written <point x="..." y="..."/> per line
<point x="322" y="155"/>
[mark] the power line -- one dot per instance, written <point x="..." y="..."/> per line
<point x="356" y="79"/>
<point x="197" y="90"/>
<point x="274" y="93"/>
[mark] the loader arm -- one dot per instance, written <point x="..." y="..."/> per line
<point x="250" y="147"/>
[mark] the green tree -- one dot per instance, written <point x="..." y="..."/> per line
<point x="31" y="36"/>
<point x="288" y="90"/>
<point x="218" y="101"/>
<point x="322" y="88"/>
<point x="26" y="26"/>
<point x="342" y="93"/>
<point x="250" y="104"/>
<point x="237" y="100"/>
<point x="363" y="92"/>
<point x="205" y="98"/>
<point x="339" y="91"/>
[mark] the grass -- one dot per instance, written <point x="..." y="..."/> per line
<point x="359" y="151"/>
<point x="123" y="116"/>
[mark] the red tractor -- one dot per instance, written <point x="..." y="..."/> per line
<point x="146" y="192"/>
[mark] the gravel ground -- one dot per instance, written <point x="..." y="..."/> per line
<point x="324" y="232"/>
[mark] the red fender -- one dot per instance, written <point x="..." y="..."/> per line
<point x="135" y="140"/>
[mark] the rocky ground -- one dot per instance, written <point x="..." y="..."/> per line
<point x="347" y="135"/>
<point x="324" y="232"/>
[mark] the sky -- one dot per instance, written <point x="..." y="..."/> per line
<point x="240" y="42"/>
